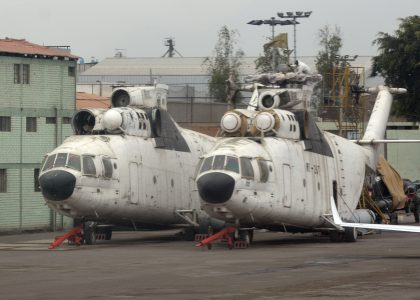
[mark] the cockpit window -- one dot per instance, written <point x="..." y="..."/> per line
<point x="107" y="167"/>
<point x="61" y="160"/>
<point x="74" y="162"/>
<point x="88" y="165"/>
<point x="207" y="164"/>
<point x="49" y="163"/>
<point x="246" y="168"/>
<point x="219" y="162"/>
<point x="263" y="170"/>
<point x="232" y="164"/>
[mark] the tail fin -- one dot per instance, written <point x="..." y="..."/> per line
<point x="376" y="127"/>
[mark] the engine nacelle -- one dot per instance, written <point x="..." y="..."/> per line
<point x="119" y="120"/>
<point x="237" y="122"/>
<point x="277" y="122"/>
<point x="143" y="96"/>
<point x="272" y="99"/>
<point x="87" y="121"/>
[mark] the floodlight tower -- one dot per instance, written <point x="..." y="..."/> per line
<point x="273" y="22"/>
<point x="294" y="16"/>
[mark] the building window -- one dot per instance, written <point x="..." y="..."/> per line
<point x="5" y="123"/>
<point x="66" y="120"/>
<point x="25" y="74"/>
<point x="16" y="68"/>
<point x="51" y="120"/>
<point x="72" y="71"/>
<point x="30" y="124"/>
<point x="21" y="73"/>
<point x="3" y="181"/>
<point x="37" y="188"/>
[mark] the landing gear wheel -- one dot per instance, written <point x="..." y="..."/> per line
<point x="336" y="236"/>
<point x="89" y="233"/>
<point x="350" y="234"/>
<point x="108" y="234"/>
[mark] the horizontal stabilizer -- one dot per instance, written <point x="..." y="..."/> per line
<point x="339" y="222"/>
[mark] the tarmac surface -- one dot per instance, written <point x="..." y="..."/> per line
<point x="160" y="265"/>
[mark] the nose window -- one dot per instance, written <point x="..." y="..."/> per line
<point x="246" y="168"/>
<point x="74" y="162"/>
<point x="219" y="162"/>
<point x="232" y="164"/>
<point x="49" y="163"/>
<point x="207" y="164"/>
<point x="89" y="166"/>
<point x="61" y="160"/>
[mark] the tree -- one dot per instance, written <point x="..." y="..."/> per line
<point x="226" y="62"/>
<point x="331" y="43"/>
<point x="264" y="63"/>
<point x="399" y="63"/>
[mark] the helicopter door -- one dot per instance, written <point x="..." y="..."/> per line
<point x="134" y="183"/>
<point x="287" y="186"/>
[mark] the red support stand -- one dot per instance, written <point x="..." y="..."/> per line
<point x="74" y="236"/>
<point x="225" y="233"/>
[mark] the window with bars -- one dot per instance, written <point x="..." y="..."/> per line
<point x="25" y="74"/>
<point x="30" y="124"/>
<point x="21" y="73"/>
<point x="3" y="181"/>
<point x="16" y="68"/>
<point x="66" y="120"/>
<point x="51" y="120"/>
<point x="72" y="71"/>
<point x="5" y="123"/>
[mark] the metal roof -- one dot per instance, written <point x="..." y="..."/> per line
<point x="181" y="66"/>
<point x="21" y="47"/>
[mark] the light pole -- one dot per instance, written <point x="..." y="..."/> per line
<point x="272" y="22"/>
<point x="294" y="16"/>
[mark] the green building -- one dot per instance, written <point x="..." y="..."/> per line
<point x="37" y="100"/>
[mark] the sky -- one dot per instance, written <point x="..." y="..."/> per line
<point x="96" y="28"/>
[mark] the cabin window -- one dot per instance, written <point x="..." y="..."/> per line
<point x="74" y="162"/>
<point x="61" y="160"/>
<point x="88" y="166"/>
<point x="263" y="170"/>
<point x="232" y="164"/>
<point x="219" y="162"/>
<point x="49" y="163"/>
<point x="246" y="168"/>
<point x="107" y="167"/>
<point x="207" y="164"/>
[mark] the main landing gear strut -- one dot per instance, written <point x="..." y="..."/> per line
<point x="234" y="237"/>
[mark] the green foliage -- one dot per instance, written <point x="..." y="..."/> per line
<point x="226" y="61"/>
<point x="264" y="63"/>
<point x="330" y="43"/>
<point x="399" y="63"/>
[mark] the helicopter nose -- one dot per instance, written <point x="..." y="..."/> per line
<point x="215" y="187"/>
<point x="57" y="185"/>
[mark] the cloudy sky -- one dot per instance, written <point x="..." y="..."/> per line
<point x="96" y="28"/>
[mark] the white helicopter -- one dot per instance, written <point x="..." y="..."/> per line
<point x="275" y="169"/>
<point x="130" y="165"/>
